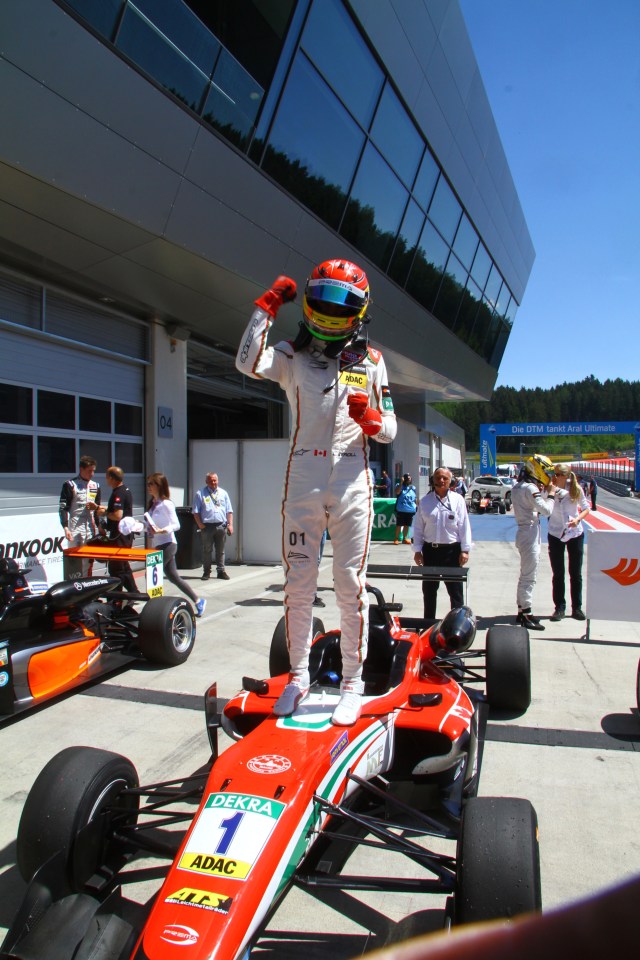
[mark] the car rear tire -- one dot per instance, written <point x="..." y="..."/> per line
<point x="502" y="508"/>
<point x="638" y="686"/>
<point x="279" y="651"/>
<point x="72" y="808"/>
<point x="167" y="630"/>
<point x="508" y="668"/>
<point x="498" y="860"/>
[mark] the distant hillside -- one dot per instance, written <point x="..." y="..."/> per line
<point x="587" y="399"/>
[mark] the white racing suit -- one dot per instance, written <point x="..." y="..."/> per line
<point x="529" y="503"/>
<point x="327" y="481"/>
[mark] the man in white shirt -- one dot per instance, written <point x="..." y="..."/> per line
<point x="441" y="538"/>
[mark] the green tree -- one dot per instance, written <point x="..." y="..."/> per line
<point x="586" y="399"/>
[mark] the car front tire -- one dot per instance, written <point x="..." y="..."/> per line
<point x="72" y="809"/>
<point x="279" y="651"/>
<point x="498" y="860"/>
<point x="508" y="668"/>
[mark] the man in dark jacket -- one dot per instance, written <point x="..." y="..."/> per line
<point x="120" y="505"/>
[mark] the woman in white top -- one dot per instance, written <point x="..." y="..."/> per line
<point x="162" y="526"/>
<point x="566" y="530"/>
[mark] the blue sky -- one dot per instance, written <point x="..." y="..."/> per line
<point x="563" y="81"/>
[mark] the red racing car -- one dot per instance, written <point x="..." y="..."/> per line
<point x="287" y="803"/>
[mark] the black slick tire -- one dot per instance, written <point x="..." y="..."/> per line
<point x="72" y="807"/>
<point x="167" y="631"/>
<point x="279" y="661"/>
<point x="498" y="860"/>
<point x="508" y="668"/>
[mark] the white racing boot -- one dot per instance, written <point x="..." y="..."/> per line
<point x="350" y="703"/>
<point x="293" y="694"/>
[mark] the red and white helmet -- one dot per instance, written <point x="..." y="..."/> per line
<point x="335" y="301"/>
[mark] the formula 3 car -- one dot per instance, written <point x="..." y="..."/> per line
<point x="479" y="502"/>
<point x="78" y="631"/>
<point x="287" y="803"/>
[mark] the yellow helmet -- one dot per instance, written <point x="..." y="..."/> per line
<point x="539" y="468"/>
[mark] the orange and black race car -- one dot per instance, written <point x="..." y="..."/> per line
<point x="79" y="630"/>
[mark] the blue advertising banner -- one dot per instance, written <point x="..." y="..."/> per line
<point x="533" y="431"/>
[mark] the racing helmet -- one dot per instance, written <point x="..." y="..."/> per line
<point x="336" y="297"/>
<point x="9" y="570"/>
<point x="539" y="468"/>
<point x="456" y="631"/>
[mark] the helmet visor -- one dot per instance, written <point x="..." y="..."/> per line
<point x="334" y="298"/>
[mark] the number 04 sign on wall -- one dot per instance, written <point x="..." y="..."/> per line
<point x="154" y="573"/>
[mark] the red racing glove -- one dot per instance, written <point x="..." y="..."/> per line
<point x="283" y="290"/>
<point x="365" y="416"/>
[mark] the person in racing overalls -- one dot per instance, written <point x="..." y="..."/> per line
<point x="339" y="395"/>
<point x="79" y="498"/>
<point x="531" y="497"/>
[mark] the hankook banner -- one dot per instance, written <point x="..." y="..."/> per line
<point x="35" y="542"/>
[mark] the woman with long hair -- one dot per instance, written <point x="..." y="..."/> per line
<point x="566" y="530"/>
<point x="163" y="518"/>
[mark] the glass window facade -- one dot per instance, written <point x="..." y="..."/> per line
<point x="302" y="152"/>
<point x="16" y="404"/>
<point x="428" y="266"/>
<point x="466" y="242"/>
<point x="445" y="211"/>
<point x="153" y="51"/>
<point x="67" y="426"/>
<point x="450" y="294"/>
<point x="333" y="43"/>
<point x="396" y="137"/>
<point x="406" y="243"/>
<point x="426" y="180"/>
<point x="335" y="134"/>
<point x="16" y="453"/>
<point x="376" y="205"/>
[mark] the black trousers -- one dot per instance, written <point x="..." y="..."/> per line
<point x="122" y="568"/>
<point x="575" y="549"/>
<point x="444" y="555"/>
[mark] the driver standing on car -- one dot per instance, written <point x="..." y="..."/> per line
<point x="339" y="395"/>
<point x="441" y="538"/>
<point x="532" y="497"/>
<point x="78" y="497"/>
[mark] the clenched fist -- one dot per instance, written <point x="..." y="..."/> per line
<point x="282" y="290"/>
